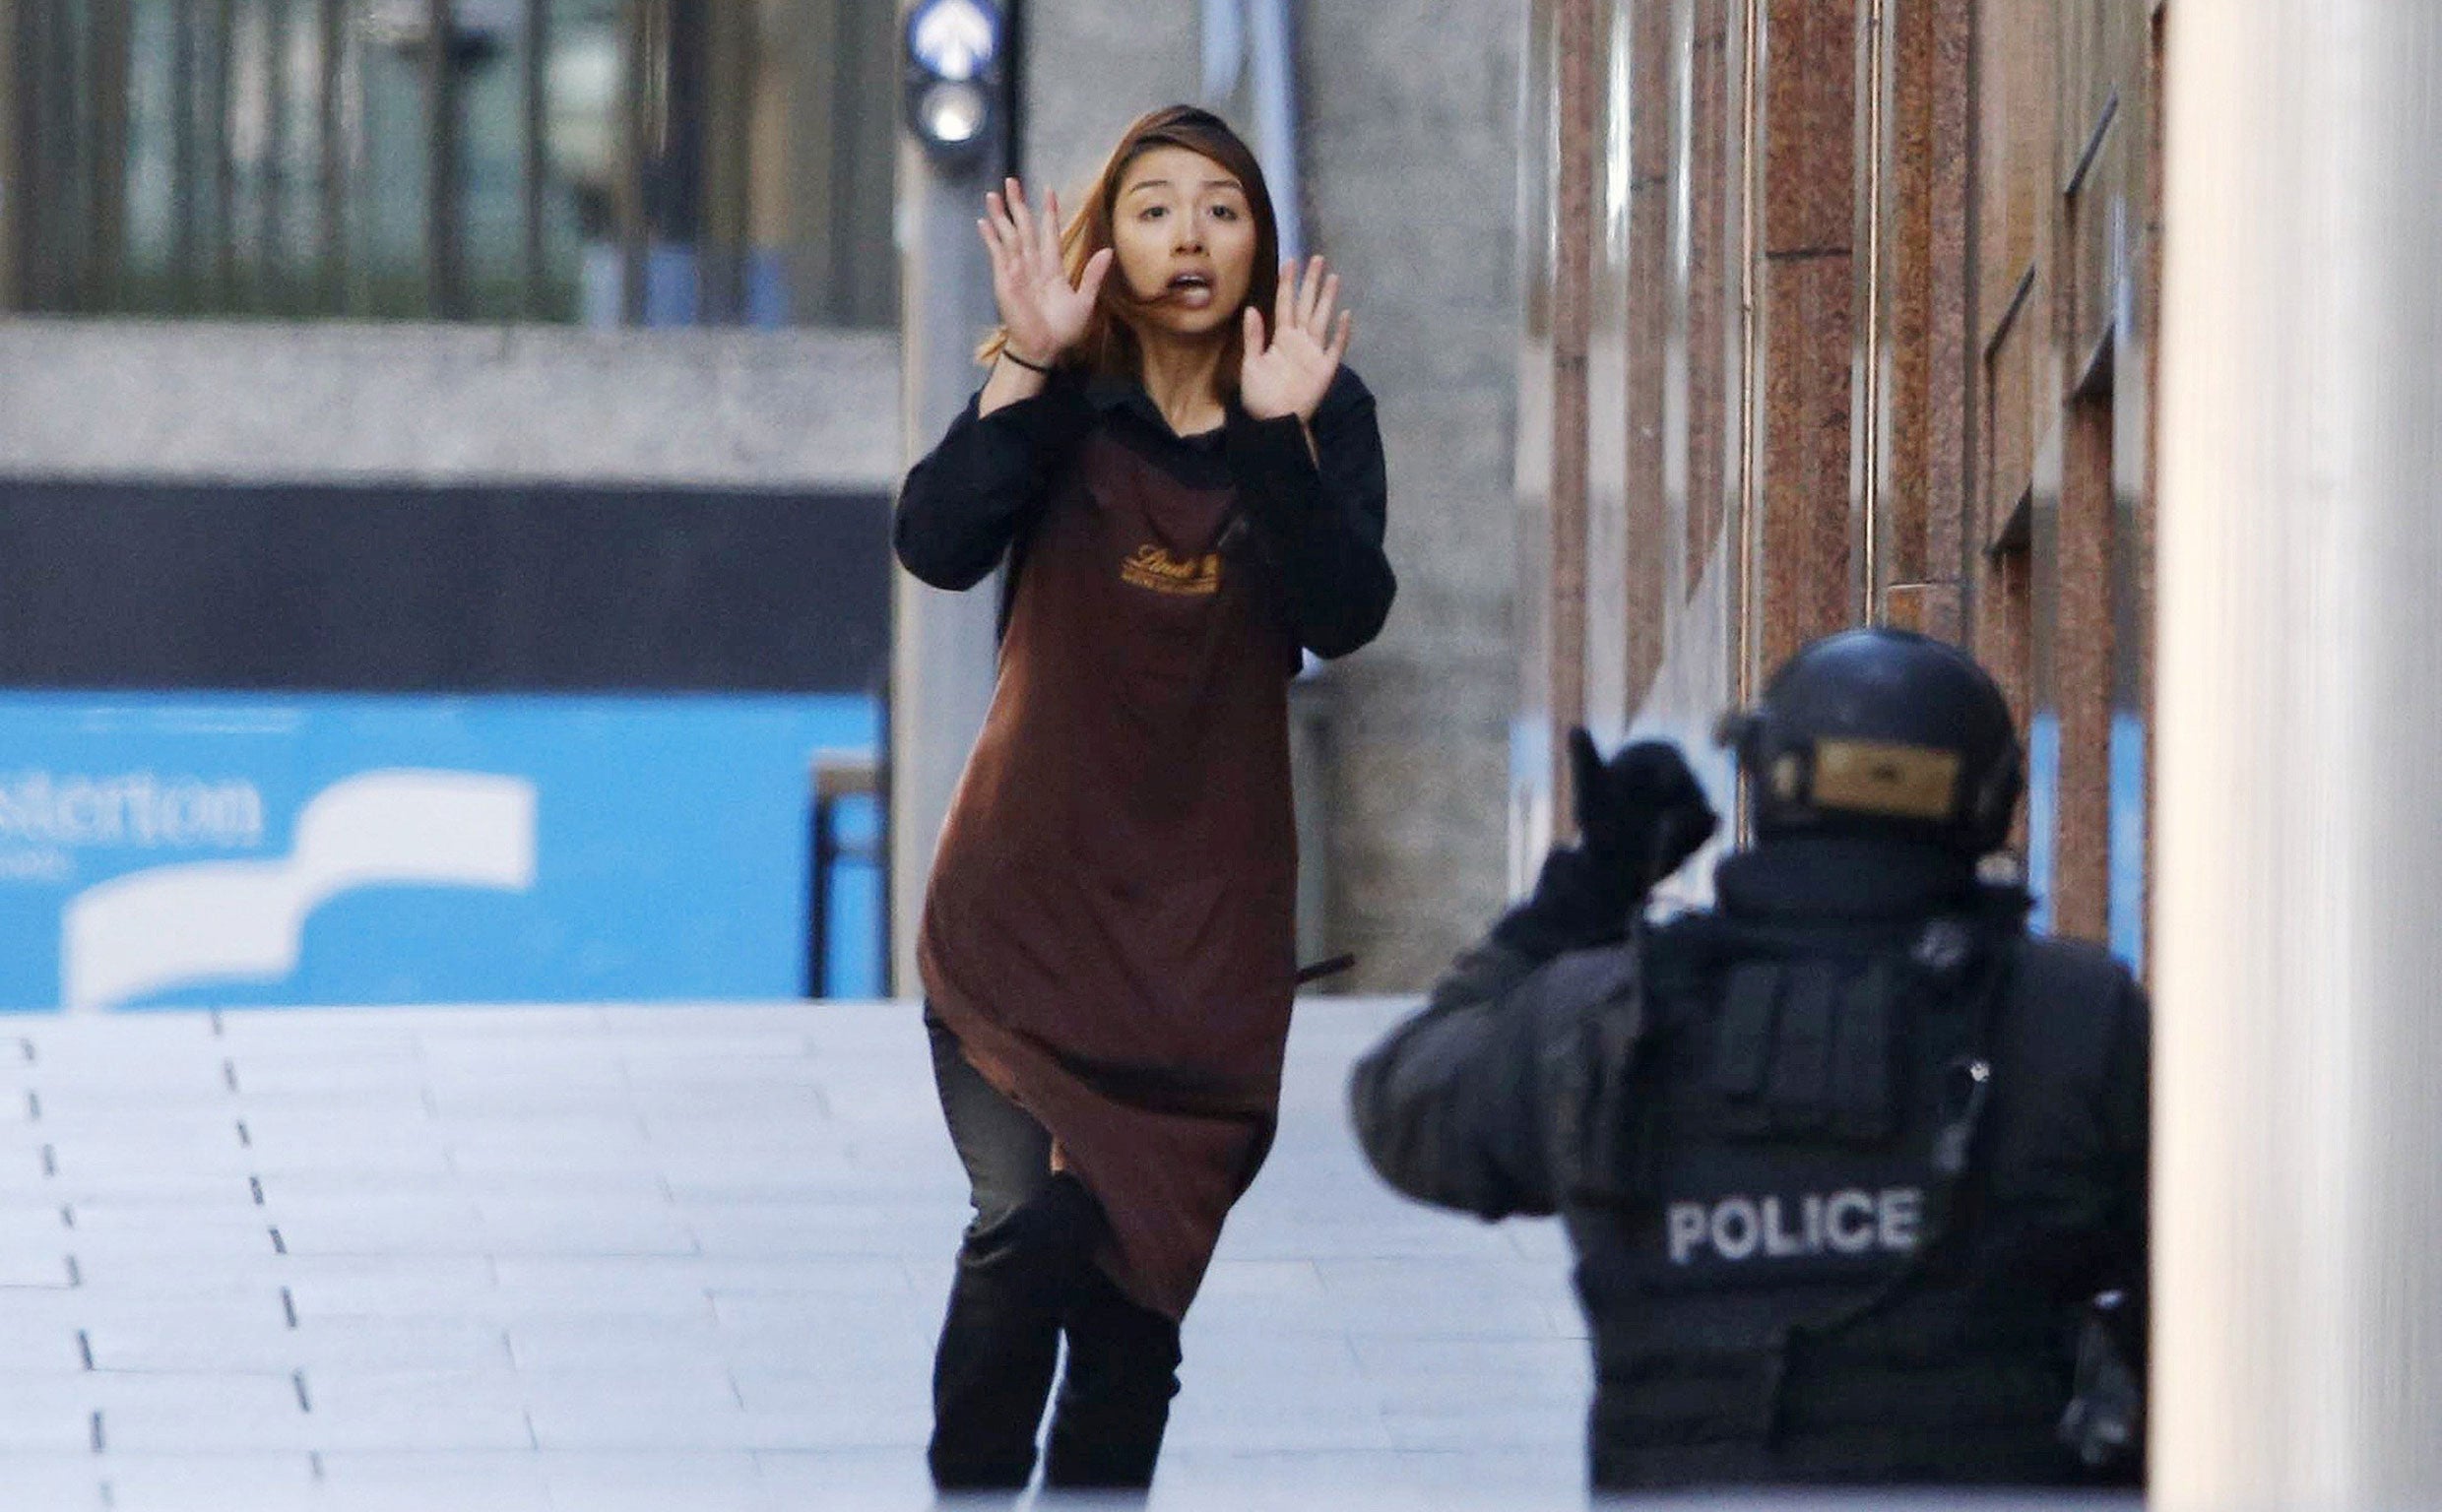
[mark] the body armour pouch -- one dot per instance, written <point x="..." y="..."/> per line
<point x="1804" y="1104"/>
<point x="1804" y="1048"/>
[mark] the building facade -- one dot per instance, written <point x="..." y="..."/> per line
<point x="542" y="655"/>
<point x="717" y="165"/>
<point x="1837" y="312"/>
<point x="610" y="162"/>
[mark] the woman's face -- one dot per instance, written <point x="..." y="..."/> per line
<point x="1184" y="237"/>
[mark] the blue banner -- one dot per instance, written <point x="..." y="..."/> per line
<point x="161" y="849"/>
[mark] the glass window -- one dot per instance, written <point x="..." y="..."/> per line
<point x="612" y="162"/>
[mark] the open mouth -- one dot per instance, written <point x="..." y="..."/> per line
<point x="1193" y="286"/>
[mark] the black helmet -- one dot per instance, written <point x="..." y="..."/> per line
<point x="1882" y="729"/>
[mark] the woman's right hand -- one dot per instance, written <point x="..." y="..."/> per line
<point x="1043" y="312"/>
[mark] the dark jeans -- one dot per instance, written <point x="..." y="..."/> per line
<point x="1026" y="1276"/>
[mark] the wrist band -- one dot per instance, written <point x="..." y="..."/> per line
<point x="1032" y="367"/>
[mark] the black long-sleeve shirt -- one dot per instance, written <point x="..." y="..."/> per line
<point x="1314" y="520"/>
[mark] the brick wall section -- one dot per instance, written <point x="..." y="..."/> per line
<point x="2016" y="264"/>
<point x="1572" y="318"/>
<point x="1807" y="294"/>
<point x="1653" y="131"/>
<point x="2082" y="652"/>
<point x="1712" y="274"/>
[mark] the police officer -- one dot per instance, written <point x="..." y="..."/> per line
<point x="1854" y="1168"/>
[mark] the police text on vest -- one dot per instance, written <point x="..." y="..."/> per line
<point x="1850" y="1222"/>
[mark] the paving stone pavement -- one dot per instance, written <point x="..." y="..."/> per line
<point x="671" y="1259"/>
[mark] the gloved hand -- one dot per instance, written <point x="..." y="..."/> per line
<point x="1641" y="814"/>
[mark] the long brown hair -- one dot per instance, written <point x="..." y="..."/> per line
<point x="1109" y="346"/>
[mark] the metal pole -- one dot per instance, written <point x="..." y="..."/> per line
<point x="1869" y="373"/>
<point x="445" y="283"/>
<point x="1748" y="396"/>
<point x="1272" y="38"/>
<point x="2298" y="1284"/>
<point x="942" y="643"/>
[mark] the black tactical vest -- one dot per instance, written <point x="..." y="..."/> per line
<point x="1788" y="1246"/>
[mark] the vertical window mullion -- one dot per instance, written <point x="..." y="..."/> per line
<point x="220" y="101"/>
<point x="635" y="149"/>
<point x="272" y="178"/>
<point x="536" y="160"/>
<point x="330" y="175"/>
<point x="443" y="182"/>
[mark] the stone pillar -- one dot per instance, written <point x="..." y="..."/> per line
<point x="1575" y="38"/>
<point x="2297" y="1278"/>
<point x="1806" y="295"/>
<point x="942" y="644"/>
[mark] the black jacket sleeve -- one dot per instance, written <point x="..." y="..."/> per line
<point x="1473" y="1103"/>
<point x="1476" y="1103"/>
<point x="967" y="500"/>
<point x="1319" y="524"/>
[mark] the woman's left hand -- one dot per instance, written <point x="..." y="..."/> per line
<point x="1288" y="374"/>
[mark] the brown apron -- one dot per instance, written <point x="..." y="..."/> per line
<point x="1110" y="928"/>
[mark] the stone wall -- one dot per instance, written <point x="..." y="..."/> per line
<point x="1905" y="361"/>
<point x="264" y="402"/>
<point x="1411" y="109"/>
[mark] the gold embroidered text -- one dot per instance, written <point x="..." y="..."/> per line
<point x="1154" y="568"/>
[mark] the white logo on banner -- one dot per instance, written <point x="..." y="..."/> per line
<point x="175" y="926"/>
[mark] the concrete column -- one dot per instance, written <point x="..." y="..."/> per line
<point x="2299" y="1121"/>
<point x="942" y="643"/>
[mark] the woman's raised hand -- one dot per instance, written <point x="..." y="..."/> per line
<point x="1287" y="375"/>
<point x="1044" y="313"/>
